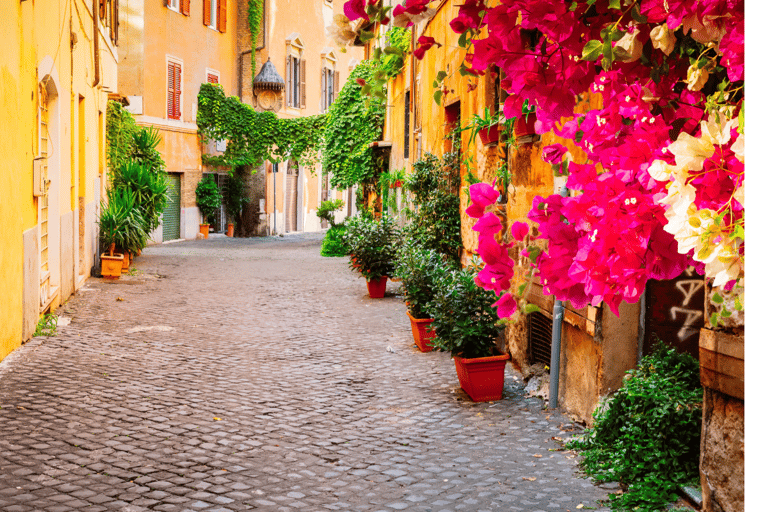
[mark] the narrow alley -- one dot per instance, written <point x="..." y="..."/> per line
<point x="253" y="374"/>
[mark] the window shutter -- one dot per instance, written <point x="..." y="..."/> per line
<point x="336" y="80"/>
<point x="212" y="79"/>
<point x="170" y="100"/>
<point x="221" y="18"/>
<point x="288" y="82"/>
<point x="185" y="7"/>
<point x="206" y="12"/>
<point x="323" y="88"/>
<point x="177" y="85"/>
<point x="167" y="3"/>
<point x="303" y="93"/>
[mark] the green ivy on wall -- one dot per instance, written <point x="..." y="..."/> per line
<point x="120" y="129"/>
<point x="398" y="42"/>
<point x="352" y="124"/>
<point x="255" y="137"/>
<point x="255" y="18"/>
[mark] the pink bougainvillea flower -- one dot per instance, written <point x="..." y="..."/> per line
<point x="495" y="278"/>
<point x="425" y="43"/>
<point x="488" y="224"/>
<point x="469" y="16"/>
<point x="482" y="195"/>
<point x="410" y="13"/>
<point x="553" y="154"/>
<point x="519" y="230"/>
<point x="355" y="9"/>
<point x="506" y="305"/>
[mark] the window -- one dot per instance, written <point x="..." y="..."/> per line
<point x="407" y="127"/>
<point x="296" y="82"/>
<point x="212" y="77"/>
<point x="181" y="6"/>
<point x="215" y="14"/>
<point x="174" y="90"/>
<point x="329" y="86"/>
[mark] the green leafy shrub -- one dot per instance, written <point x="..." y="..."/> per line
<point x="647" y="435"/>
<point x="372" y="244"/>
<point x="327" y="208"/>
<point x="208" y="198"/>
<point x="465" y="320"/>
<point x="418" y="269"/>
<point x="435" y="219"/>
<point x="121" y="221"/>
<point x="333" y="243"/>
<point x="234" y="197"/>
<point x="150" y="188"/>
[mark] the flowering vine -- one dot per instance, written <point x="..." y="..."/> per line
<point x="661" y="187"/>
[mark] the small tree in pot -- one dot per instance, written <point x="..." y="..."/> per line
<point x="465" y="324"/>
<point x="372" y="245"/>
<point x="234" y="200"/>
<point x="208" y="200"/>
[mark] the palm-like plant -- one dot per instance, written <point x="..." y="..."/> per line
<point x="150" y="188"/>
<point x="121" y="224"/>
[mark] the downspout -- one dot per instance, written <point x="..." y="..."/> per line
<point x="554" y="359"/>
<point x="96" y="70"/>
<point x="274" y="198"/>
<point x="641" y="328"/>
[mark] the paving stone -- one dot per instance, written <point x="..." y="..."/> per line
<point x="239" y="374"/>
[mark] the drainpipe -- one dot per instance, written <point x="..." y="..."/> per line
<point x="554" y="359"/>
<point x="96" y="70"/>
<point x="274" y="198"/>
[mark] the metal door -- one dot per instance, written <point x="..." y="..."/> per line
<point x="172" y="212"/>
<point x="291" y="197"/>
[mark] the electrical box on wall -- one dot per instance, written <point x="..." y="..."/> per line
<point x="39" y="180"/>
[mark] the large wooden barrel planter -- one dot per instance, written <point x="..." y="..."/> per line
<point x="721" y="359"/>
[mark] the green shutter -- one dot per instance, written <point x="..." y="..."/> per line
<point x="172" y="212"/>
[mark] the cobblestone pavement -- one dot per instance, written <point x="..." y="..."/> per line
<point x="253" y="374"/>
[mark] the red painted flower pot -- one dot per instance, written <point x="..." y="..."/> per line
<point x="204" y="229"/>
<point x="377" y="287"/>
<point x="230" y="229"/>
<point x="421" y="334"/>
<point x="483" y="377"/>
<point x="525" y="125"/>
<point x="489" y="134"/>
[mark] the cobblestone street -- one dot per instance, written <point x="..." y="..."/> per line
<point x="254" y="374"/>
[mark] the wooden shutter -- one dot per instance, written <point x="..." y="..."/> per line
<point x="206" y="12"/>
<point x="336" y="80"/>
<point x="323" y="91"/>
<point x="221" y="18"/>
<point x="167" y="3"/>
<point x="174" y="90"/>
<point x="303" y="72"/>
<point x="213" y="79"/>
<point x="288" y="81"/>
<point x="185" y="7"/>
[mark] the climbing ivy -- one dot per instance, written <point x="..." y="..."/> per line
<point x="255" y="17"/>
<point x="352" y="124"/>
<point x="398" y="44"/>
<point x="121" y="128"/>
<point x="255" y="137"/>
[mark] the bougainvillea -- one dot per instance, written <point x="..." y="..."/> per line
<point x="661" y="187"/>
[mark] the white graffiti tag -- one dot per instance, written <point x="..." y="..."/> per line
<point x="688" y="288"/>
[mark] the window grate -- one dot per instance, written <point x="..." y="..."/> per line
<point x="539" y="338"/>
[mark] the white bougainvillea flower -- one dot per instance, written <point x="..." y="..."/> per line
<point x="628" y="48"/>
<point x="697" y="77"/>
<point x="660" y="170"/>
<point x="690" y="152"/>
<point x="341" y="31"/>
<point x="738" y="195"/>
<point x="663" y="39"/>
<point x="738" y="148"/>
<point x="717" y="129"/>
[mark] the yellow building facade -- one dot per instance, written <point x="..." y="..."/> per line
<point x="597" y="347"/>
<point x="57" y="71"/>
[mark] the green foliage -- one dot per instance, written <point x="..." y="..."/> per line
<point x="436" y="216"/>
<point x="327" y="208"/>
<point x="121" y="128"/>
<point x="465" y="320"/>
<point x="255" y="18"/>
<point x="372" y="244"/>
<point x="333" y="243"/>
<point x="255" y="137"/>
<point x="389" y="180"/>
<point x="393" y="57"/>
<point x="418" y="269"/>
<point x="647" y="435"/>
<point x="350" y="128"/>
<point x="208" y="198"/>
<point x="145" y="142"/>
<point x="150" y="188"/>
<point x="121" y="221"/>
<point x="234" y="197"/>
<point x="47" y="325"/>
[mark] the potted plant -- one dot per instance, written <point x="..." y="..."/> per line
<point x="234" y="201"/>
<point x="465" y="325"/>
<point x="418" y="268"/>
<point x="120" y="226"/>
<point x="488" y="126"/>
<point x="372" y="244"/>
<point x="150" y="188"/>
<point x="525" y="124"/>
<point x="208" y="200"/>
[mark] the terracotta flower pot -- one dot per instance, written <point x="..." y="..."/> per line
<point x="525" y="125"/>
<point x="377" y="287"/>
<point x="483" y="377"/>
<point x="421" y="334"/>
<point x="489" y="134"/>
<point x="230" y="229"/>
<point x="204" y="228"/>
<point x="396" y="184"/>
<point x="126" y="261"/>
<point x="111" y="266"/>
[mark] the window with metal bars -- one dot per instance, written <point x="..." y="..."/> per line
<point x="539" y="338"/>
<point x="174" y="91"/>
